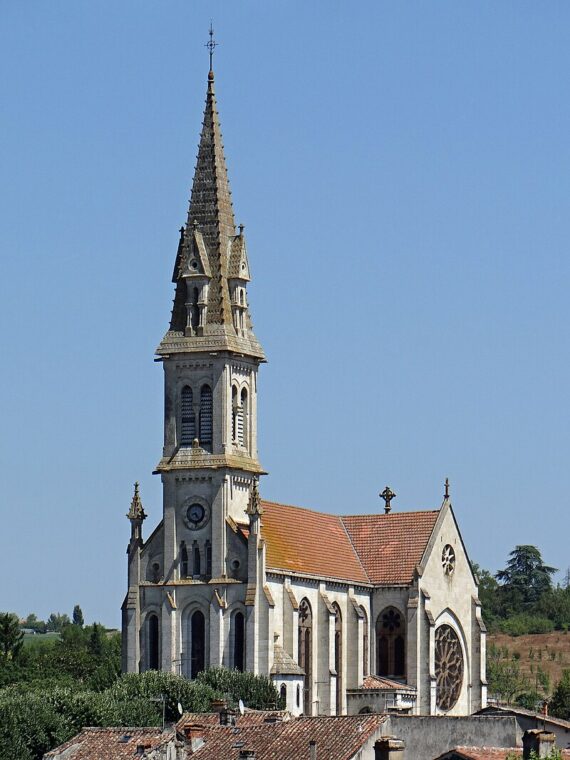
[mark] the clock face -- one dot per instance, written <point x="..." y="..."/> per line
<point x="196" y="515"/>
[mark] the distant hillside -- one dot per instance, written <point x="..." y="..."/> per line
<point x="548" y="651"/>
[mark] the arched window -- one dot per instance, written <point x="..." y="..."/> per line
<point x="305" y="652"/>
<point x="283" y="695"/>
<point x="206" y="416"/>
<point x="365" y="642"/>
<point x="153" y="642"/>
<point x="187" y="417"/>
<point x="183" y="560"/>
<point x="208" y="559"/>
<point x="235" y="412"/>
<point x="338" y="656"/>
<point x="197" y="643"/>
<point x="196" y="561"/>
<point x="238" y="641"/>
<point x="244" y="418"/>
<point x="391" y="643"/>
<point x="298" y="700"/>
<point x="195" y="309"/>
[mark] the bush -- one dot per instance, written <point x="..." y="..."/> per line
<point x="257" y="692"/>
<point x="519" y="625"/>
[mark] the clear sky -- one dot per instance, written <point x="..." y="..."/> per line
<point x="403" y="172"/>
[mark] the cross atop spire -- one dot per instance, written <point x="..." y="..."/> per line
<point x="446" y="495"/>
<point x="211" y="45"/>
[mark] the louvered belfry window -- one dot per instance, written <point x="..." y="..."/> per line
<point x="206" y="416"/>
<point x="244" y="418"/>
<point x="187" y="417"/>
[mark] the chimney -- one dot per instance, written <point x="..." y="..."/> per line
<point x="227" y="717"/>
<point x="313" y="750"/>
<point x="389" y="748"/>
<point x="540" y="742"/>
<point x="194" y="735"/>
<point x="246" y="754"/>
<point x="217" y="705"/>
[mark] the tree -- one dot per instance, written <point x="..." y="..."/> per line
<point x="56" y="622"/>
<point x="78" y="616"/>
<point x="560" y="702"/>
<point x="525" y="578"/>
<point x="488" y="594"/>
<point x="11" y="637"/>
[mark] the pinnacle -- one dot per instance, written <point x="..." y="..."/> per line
<point x="136" y="511"/>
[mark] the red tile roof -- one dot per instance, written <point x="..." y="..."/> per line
<point x="382" y="549"/>
<point x="338" y="738"/>
<point x="110" y="743"/>
<point x="306" y="542"/>
<point x="390" y="546"/>
<point x="378" y="682"/>
<point x="250" y="718"/>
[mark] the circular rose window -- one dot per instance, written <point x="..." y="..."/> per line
<point x="448" y="667"/>
<point x="448" y="559"/>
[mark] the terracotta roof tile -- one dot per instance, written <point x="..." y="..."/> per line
<point x="338" y="738"/>
<point x="488" y="753"/>
<point x="110" y="743"/>
<point x="303" y="541"/>
<point x="390" y="546"/>
<point x="377" y="682"/>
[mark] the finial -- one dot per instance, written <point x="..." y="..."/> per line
<point x="387" y="494"/>
<point x="195" y="224"/>
<point x="447" y="488"/>
<point x="254" y="505"/>
<point x="136" y="511"/>
<point x="211" y="45"/>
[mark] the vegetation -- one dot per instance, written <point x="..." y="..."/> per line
<point x="53" y="687"/>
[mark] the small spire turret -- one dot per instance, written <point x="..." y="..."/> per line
<point x="136" y="511"/>
<point x="254" y="507"/>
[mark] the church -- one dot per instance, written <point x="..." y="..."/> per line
<point x="346" y="614"/>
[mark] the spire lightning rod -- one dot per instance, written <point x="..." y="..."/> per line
<point x="211" y="44"/>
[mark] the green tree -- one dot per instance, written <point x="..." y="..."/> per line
<point x="257" y="692"/>
<point x="56" y="622"/>
<point x="524" y="579"/>
<point x="560" y="702"/>
<point x="488" y="594"/>
<point x="78" y="616"/>
<point x="11" y="637"/>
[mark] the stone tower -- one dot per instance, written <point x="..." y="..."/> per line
<point x="209" y="460"/>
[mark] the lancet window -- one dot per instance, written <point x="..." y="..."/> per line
<point x="197" y="643"/>
<point x="338" y="656"/>
<point x="305" y="634"/>
<point x="244" y="418"/>
<point x="206" y="416"/>
<point x="183" y="560"/>
<point x="187" y="417"/>
<point x="391" y="643"/>
<point x="237" y="637"/>
<point x="153" y="642"/>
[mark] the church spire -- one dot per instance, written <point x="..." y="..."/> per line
<point x="210" y="215"/>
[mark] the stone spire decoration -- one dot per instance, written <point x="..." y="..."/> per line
<point x="136" y="515"/>
<point x="254" y="507"/>
<point x="211" y="267"/>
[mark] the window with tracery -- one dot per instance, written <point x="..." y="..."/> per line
<point x="391" y="644"/>
<point x="305" y="633"/>
<point x="448" y="667"/>
<point x="187" y="417"/>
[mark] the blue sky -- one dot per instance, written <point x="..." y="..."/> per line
<point x="403" y="172"/>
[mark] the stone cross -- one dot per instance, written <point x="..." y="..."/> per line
<point x="387" y="494"/>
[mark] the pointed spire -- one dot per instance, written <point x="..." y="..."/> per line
<point x="136" y="511"/>
<point x="211" y="210"/>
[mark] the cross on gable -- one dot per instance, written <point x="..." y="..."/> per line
<point x="387" y="494"/>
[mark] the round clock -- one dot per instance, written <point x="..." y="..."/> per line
<point x="196" y="515"/>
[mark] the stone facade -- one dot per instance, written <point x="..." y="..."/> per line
<point x="317" y="602"/>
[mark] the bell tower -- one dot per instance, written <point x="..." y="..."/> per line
<point x="210" y="357"/>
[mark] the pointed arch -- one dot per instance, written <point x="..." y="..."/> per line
<point x="206" y="417"/>
<point x="196" y="560"/>
<point x="391" y="643"/>
<point x="197" y="643"/>
<point x="305" y="635"/>
<point x="187" y="417"/>
<point x="338" y="654"/>
<point x="153" y="641"/>
<point x="183" y="560"/>
<point x="244" y="418"/>
<point x="237" y="639"/>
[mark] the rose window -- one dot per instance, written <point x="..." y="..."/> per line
<point x="448" y="560"/>
<point x="448" y="667"/>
